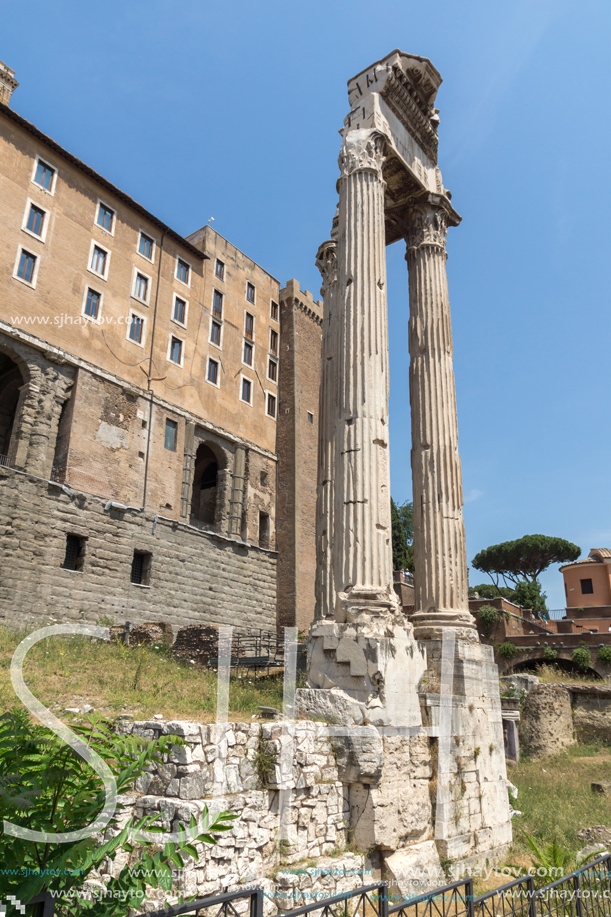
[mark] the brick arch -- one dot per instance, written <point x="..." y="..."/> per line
<point x="12" y="380"/>
<point x="45" y="387"/>
<point x="21" y="355"/>
<point x="524" y="661"/>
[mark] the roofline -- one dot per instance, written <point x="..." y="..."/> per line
<point x="83" y="167"/>
<point x="229" y="242"/>
<point x="424" y="60"/>
<point x="581" y="563"/>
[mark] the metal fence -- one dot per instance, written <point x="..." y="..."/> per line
<point x="454" y="900"/>
<point x="556" y="614"/>
<point x="254" y="652"/>
<point x="583" y="893"/>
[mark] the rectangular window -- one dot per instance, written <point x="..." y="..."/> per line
<point x="248" y="351"/>
<point x="217" y="304"/>
<point x="182" y="271"/>
<point x="44" y="175"/>
<point x="249" y="326"/>
<point x="273" y="341"/>
<point x="250" y="292"/>
<point x="146" y="246"/>
<point x="92" y="304"/>
<point x="272" y="370"/>
<point x="136" y="329"/>
<point x="220" y="269"/>
<point x="141" y="568"/>
<point x="587" y="587"/>
<point x="27" y="266"/>
<point x="36" y="220"/>
<point x="171" y="431"/>
<point x="175" y="354"/>
<point x="274" y="311"/>
<point x="246" y="394"/>
<point x="271" y="405"/>
<point x="310" y="417"/>
<point x="141" y="287"/>
<point x="75" y="553"/>
<point x="263" y="530"/>
<point x="106" y="217"/>
<point x="99" y="260"/>
<point x="180" y="311"/>
<point x="213" y="371"/>
<point x="215" y="334"/>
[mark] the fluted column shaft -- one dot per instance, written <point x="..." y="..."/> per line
<point x="362" y="549"/>
<point x="326" y="261"/>
<point x="440" y="561"/>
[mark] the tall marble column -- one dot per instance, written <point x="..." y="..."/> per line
<point x="361" y="548"/>
<point x="326" y="261"/>
<point x="440" y="561"/>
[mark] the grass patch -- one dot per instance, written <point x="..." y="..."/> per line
<point x="70" y="671"/>
<point x="555" y="796"/>
<point x="553" y="675"/>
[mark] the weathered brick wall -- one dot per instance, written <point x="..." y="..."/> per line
<point x="260" y="495"/>
<point x="297" y="446"/>
<point x="196" y="577"/>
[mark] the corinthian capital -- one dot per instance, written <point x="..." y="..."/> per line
<point x="362" y="150"/>
<point x="326" y="262"/>
<point x="427" y="225"/>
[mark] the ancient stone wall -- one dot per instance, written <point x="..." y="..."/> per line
<point x="592" y="712"/>
<point x="546" y="725"/>
<point x="372" y="793"/>
<point x="195" y="577"/>
<point x="345" y="792"/>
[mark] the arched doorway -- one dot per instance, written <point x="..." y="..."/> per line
<point x="203" y="502"/>
<point x="11" y="382"/>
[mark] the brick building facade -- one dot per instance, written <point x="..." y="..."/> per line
<point x="139" y="403"/>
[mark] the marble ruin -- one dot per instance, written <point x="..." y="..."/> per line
<point x="368" y="664"/>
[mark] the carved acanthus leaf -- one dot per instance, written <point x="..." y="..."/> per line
<point x="362" y="150"/>
<point x="326" y="262"/>
<point x="427" y="225"/>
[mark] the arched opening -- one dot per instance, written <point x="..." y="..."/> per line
<point x="560" y="665"/>
<point x="11" y="381"/>
<point x="203" y="502"/>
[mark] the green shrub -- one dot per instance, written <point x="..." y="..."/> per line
<point x="507" y="650"/>
<point x="265" y="761"/>
<point x="604" y="655"/>
<point x="47" y="786"/>
<point x="488" y="616"/>
<point x="549" y="654"/>
<point x="582" y="658"/>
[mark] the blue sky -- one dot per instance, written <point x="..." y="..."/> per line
<point x="231" y="110"/>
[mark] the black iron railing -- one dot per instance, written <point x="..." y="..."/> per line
<point x="367" y="901"/>
<point x="454" y="900"/>
<point x="583" y="893"/>
<point x="515" y="899"/>
<point x="227" y="905"/>
<point x="258" y="652"/>
<point x="41" y="906"/>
